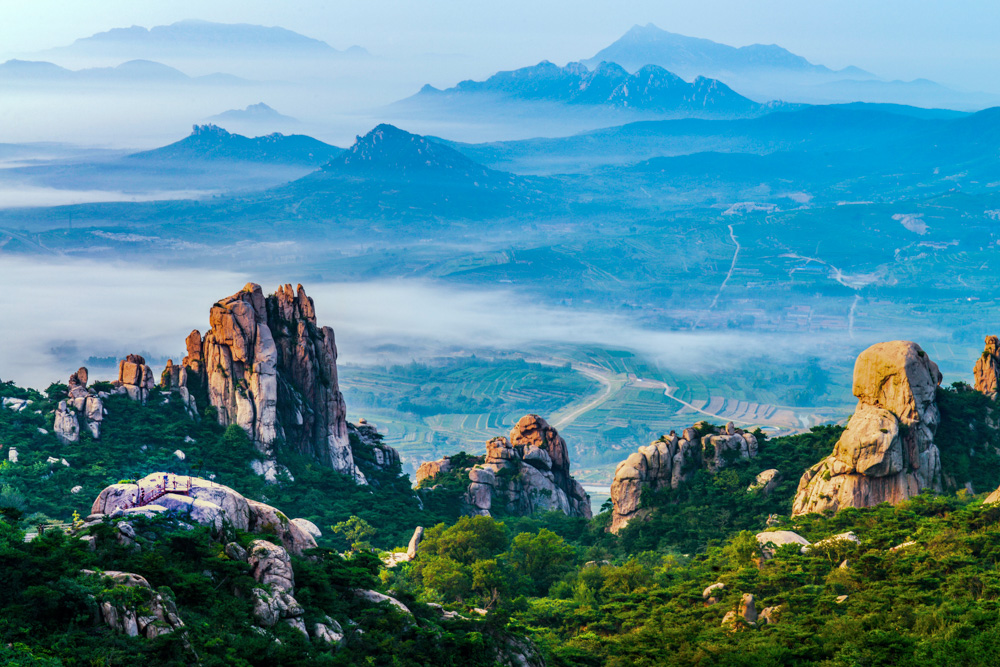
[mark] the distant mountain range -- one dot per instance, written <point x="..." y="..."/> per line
<point x="692" y="56"/>
<point x="609" y="86"/>
<point x="772" y="72"/>
<point x="254" y="113"/>
<point x="192" y="38"/>
<point x="391" y="173"/>
<point x="212" y="143"/>
<point x="133" y="71"/>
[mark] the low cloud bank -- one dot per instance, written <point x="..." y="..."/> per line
<point x="57" y="314"/>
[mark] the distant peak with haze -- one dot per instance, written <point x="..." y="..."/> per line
<point x="690" y="56"/>
<point x="199" y="38"/>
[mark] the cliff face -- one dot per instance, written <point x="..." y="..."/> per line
<point x="887" y="453"/>
<point x="268" y="368"/>
<point x="987" y="368"/>
<point x="526" y="473"/>
<point x="671" y="460"/>
<point x="311" y="407"/>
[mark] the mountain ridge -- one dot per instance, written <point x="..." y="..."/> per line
<point x="213" y="143"/>
<point x="652" y="88"/>
<point x="205" y="36"/>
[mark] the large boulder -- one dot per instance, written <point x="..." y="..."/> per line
<point x="887" y="453"/>
<point x="66" y="424"/>
<point x="204" y="502"/>
<point x="987" y="368"/>
<point x="135" y="378"/>
<point x="671" y="461"/>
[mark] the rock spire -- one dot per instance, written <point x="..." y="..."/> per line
<point x="887" y="453"/>
<point x="987" y="368"/>
<point x="267" y="367"/>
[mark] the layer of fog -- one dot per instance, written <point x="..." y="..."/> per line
<point x="23" y="195"/>
<point x="57" y="314"/>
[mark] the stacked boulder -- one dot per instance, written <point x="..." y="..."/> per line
<point x="135" y="378"/>
<point x="672" y="460"/>
<point x="526" y="473"/>
<point x="81" y="405"/>
<point x="268" y="368"/>
<point x="887" y="453"/>
<point x="987" y="368"/>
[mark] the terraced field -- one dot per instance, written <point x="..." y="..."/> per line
<point x="606" y="403"/>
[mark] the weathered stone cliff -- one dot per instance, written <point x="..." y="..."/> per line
<point x="987" y="368"/>
<point x="887" y="453"/>
<point x="526" y="473"/>
<point x="671" y="460"/>
<point x="267" y="367"/>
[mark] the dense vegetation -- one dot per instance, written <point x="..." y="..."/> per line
<point x="585" y="597"/>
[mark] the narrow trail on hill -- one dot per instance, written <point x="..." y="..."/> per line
<point x="729" y="274"/>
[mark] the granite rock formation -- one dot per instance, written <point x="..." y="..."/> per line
<point x="135" y="377"/>
<point x="174" y="379"/>
<point x="672" y="460"/>
<point x="268" y="367"/>
<point x="83" y="407"/>
<point x="887" y="453"/>
<point x="203" y="502"/>
<point x="987" y="368"/>
<point x="526" y="473"/>
<point x="157" y="616"/>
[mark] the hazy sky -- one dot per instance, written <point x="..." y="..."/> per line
<point x="951" y="42"/>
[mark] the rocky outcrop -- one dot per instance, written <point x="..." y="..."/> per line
<point x="671" y="461"/>
<point x="526" y="473"/>
<point x="887" y="453"/>
<point x="765" y="482"/>
<point x="415" y="539"/>
<point x="987" y="368"/>
<point x="83" y="407"/>
<point x="203" y="502"/>
<point x="66" y="425"/>
<point x="431" y="469"/>
<point x="271" y="567"/>
<point x="157" y="616"/>
<point x="770" y="540"/>
<point x="175" y="379"/>
<point x="746" y="612"/>
<point x="269" y="368"/>
<point x="135" y="377"/>
<point x="378" y="455"/>
<point x="992" y="498"/>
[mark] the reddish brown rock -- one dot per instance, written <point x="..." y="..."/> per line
<point x="311" y="407"/>
<point x="270" y="369"/>
<point x="987" y="368"/>
<point x="527" y="473"/>
<point x="135" y="377"/>
<point x="887" y="453"/>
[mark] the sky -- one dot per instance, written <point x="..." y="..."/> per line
<point x="950" y="42"/>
